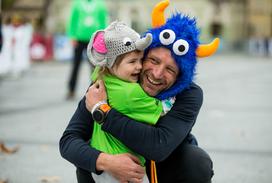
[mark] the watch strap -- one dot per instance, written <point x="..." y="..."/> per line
<point x="101" y="108"/>
<point x="97" y="105"/>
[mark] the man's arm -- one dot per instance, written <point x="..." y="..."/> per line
<point x="157" y="142"/>
<point x="74" y="145"/>
<point x="75" y="148"/>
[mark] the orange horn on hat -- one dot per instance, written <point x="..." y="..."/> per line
<point x="158" y="14"/>
<point x="205" y="50"/>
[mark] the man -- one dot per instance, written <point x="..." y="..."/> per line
<point x="170" y="136"/>
<point x="166" y="73"/>
<point x="87" y="16"/>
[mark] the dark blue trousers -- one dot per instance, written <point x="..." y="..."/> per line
<point x="187" y="164"/>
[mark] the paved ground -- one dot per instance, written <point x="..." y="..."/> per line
<point x="234" y="125"/>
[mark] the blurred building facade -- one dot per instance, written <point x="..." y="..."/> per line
<point x="236" y="22"/>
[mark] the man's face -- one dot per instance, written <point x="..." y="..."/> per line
<point x="159" y="71"/>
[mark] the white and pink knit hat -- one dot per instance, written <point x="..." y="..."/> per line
<point x="116" y="39"/>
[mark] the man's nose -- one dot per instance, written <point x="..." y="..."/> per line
<point x="158" y="72"/>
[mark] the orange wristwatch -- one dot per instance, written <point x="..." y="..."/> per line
<point x="100" y="112"/>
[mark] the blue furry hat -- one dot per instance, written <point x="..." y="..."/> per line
<point x="184" y="34"/>
<point x="180" y="35"/>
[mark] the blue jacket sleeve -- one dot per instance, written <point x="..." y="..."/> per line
<point x="159" y="141"/>
<point x="74" y="143"/>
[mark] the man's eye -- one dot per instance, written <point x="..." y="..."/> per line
<point x="153" y="61"/>
<point x="171" y="71"/>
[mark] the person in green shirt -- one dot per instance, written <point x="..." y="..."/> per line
<point x="86" y="17"/>
<point x="118" y="50"/>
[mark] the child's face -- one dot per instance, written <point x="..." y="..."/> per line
<point x="130" y="67"/>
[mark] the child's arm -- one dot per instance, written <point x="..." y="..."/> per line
<point x="136" y="104"/>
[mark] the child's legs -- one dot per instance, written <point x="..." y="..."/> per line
<point x="107" y="178"/>
<point x="103" y="178"/>
<point x="145" y="180"/>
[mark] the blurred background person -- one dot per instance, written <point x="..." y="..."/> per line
<point x="21" y="39"/>
<point x="15" y="58"/>
<point x="87" y="16"/>
<point x="5" y="54"/>
<point x="1" y="33"/>
<point x="27" y="31"/>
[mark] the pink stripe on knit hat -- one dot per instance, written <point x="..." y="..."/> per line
<point x="99" y="43"/>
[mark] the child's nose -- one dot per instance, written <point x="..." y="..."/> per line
<point x="139" y="66"/>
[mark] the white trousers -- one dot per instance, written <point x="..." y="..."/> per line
<point x="105" y="177"/>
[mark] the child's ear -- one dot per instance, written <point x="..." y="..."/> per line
<point x="97" y="49"/>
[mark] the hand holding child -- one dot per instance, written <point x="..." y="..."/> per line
<point x="95" y="94"/>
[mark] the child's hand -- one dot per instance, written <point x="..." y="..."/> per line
<point x="95" y="94"/>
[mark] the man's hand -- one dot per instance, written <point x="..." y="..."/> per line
<point x="124" y="167"/>
<point x="74" y="43"/>
<point x="95" y="94"/>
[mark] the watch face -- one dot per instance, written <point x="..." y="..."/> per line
<point x="98" y="116"/>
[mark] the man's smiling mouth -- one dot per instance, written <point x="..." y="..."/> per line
<point x="152" y="81"/>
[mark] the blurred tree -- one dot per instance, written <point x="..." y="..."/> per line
<point x="7" y="4"/>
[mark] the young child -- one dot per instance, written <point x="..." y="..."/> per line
<point x="118" y="50"/>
